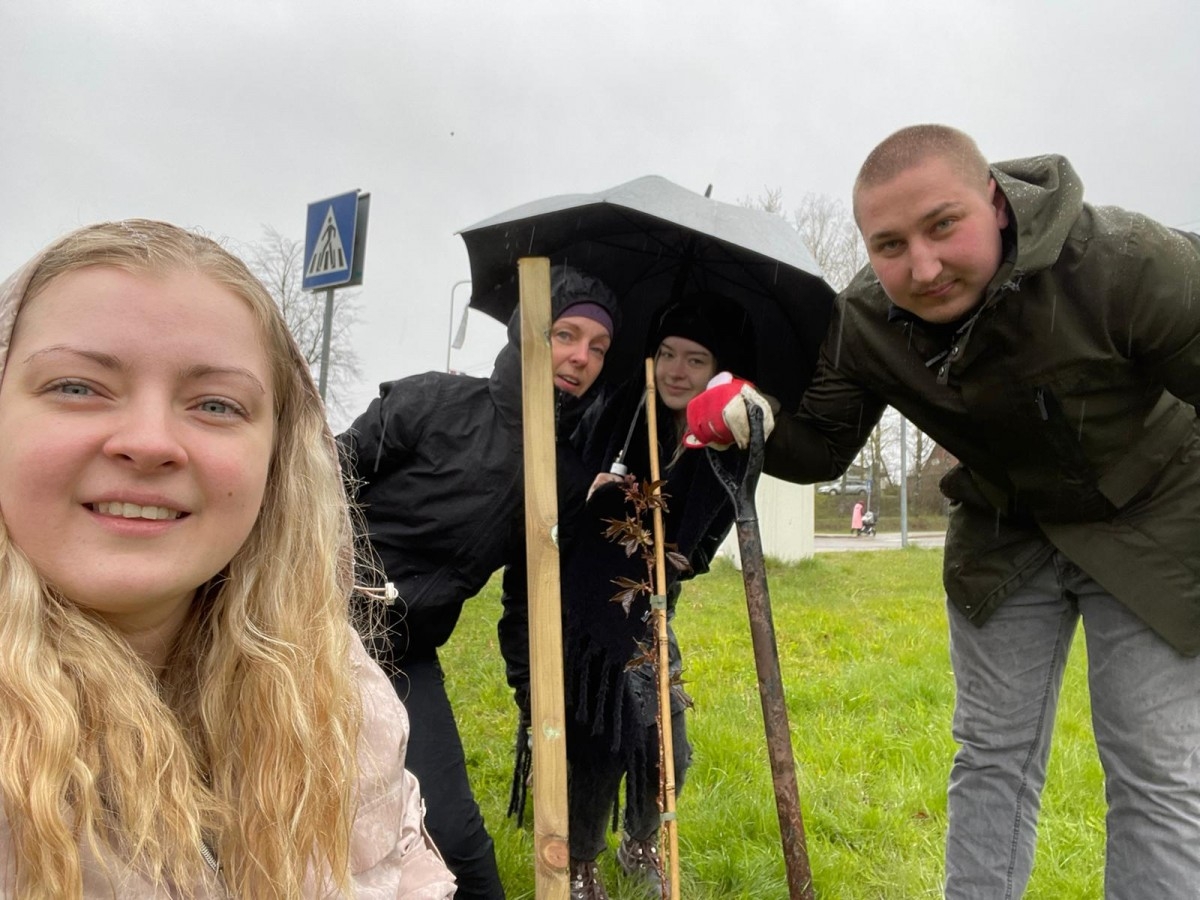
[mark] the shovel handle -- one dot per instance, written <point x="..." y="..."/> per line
<point x="740" y="480"/>
<point x="739" y="472"/>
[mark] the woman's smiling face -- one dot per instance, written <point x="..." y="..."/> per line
<point x="578" y="346"/>
<point x="682" y="369"/>
<point x="138" y="420"/>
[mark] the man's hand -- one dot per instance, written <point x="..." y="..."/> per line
<point x="719" y="416"/>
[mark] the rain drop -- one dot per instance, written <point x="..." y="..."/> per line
<point x="379" y="452"/>
<point x="837" y="345"/>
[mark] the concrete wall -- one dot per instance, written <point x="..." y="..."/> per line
<point x="785" y="519"/>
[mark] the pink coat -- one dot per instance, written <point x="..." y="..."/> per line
<point x="856" y="517"/>
<point x="391" y="856"/>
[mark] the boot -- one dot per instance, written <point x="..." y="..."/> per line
<point x="585" y="881"/>
<point x="640" y="860"/>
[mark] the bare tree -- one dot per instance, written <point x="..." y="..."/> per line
<point x="922" y="488"/>
<point x="826" y="229"/>
<point x="770" y="200"/>
<point x="831" y="237"/>
<point x="278" y="261"/>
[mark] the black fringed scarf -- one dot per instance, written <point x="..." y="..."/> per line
<point x="601" y="642"/>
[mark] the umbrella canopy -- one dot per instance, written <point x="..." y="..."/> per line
<point x="653" y="242"/>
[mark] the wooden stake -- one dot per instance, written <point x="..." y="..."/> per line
<point x="666" y="743"/>
<point x="551" y="851"/>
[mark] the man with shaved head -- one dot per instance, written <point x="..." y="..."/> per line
<point x="1053" y="347"/>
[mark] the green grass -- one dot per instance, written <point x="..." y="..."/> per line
<point x="862" y="644"/>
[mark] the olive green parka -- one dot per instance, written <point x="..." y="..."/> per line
<point x="1068" y="395"/>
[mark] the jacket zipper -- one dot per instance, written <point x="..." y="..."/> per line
<point x="209" y="856"/>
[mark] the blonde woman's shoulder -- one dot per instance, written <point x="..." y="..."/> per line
<point x="8" y="887"/>
<point x="392" y="856"/>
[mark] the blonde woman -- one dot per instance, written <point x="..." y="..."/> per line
<point x="186" y="709"/>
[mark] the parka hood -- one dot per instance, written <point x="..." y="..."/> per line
<point x="568" y="286"/>
<point x="1045" y="198"/>
<point x="12" y="292"/>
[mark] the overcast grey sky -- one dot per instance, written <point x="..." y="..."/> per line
<point x="229" y="116"/>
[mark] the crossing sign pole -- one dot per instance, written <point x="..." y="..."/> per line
<point x="326" y="334"/>
<point x="335" y="240"/>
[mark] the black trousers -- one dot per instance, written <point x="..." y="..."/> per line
<point x="435" y="756"/>
<point x="594" y="778"/>
<point x="594" y="770"/>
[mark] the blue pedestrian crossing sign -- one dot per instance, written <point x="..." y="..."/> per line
<point x="334" y="240"/>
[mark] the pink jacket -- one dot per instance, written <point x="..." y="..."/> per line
<point x="391" y="856"/>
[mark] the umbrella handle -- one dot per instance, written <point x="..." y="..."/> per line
<point x="739" y="472"/>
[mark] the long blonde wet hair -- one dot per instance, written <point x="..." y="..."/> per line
<point x="247" y="740"/>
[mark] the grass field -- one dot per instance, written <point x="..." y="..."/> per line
<point x="862" y="643"/>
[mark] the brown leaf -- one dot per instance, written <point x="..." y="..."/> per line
<point x="644" y="656"/>
<point x="617" y="527"/>
<point x="630" y="591"/>
<point x="642" y="496"/>
<point x="625" y="598"/>
<point x="633" y="492"/>
<point x="678" y="561"/>
<point x="622" y="582"/>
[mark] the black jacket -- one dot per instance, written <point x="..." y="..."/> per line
<point x="437" y="469"/>
<point x="438" y="465"/>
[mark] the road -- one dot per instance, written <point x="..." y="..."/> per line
<point x="830" y="543"/>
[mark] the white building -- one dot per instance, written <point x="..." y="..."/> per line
<point x="785" y="521"/>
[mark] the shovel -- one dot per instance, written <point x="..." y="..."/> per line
<point x="738" y="473"/>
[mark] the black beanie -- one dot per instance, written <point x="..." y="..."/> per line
<point x="716" y="323"/>
<point x="570" y="286"/>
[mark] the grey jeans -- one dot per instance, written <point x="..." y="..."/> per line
<point x="1146" y="720"/>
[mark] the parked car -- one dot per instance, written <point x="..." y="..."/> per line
<point x="852" y="485"/>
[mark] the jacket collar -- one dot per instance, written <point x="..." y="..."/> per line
<point x="1045" y="199"/>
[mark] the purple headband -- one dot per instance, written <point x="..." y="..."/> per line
<point x="588" y="310"/>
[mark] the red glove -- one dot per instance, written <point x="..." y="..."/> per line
<point x="705" y="413"/>
<point x="720" y="415"/>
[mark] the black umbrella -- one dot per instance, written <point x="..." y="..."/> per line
<point x="653" y="241"/>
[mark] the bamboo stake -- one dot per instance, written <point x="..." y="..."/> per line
<point x="659" y="606"/>
<point x="551" y="852"/>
